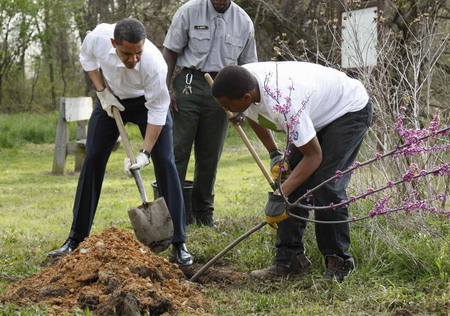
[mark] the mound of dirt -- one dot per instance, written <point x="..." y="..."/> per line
<point x="112" y="274"/>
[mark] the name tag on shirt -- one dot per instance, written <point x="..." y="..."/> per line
<point x="201" y="27"/>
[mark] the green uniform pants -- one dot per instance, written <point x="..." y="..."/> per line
<point x="201" y="122"/>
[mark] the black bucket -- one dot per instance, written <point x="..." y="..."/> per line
<point x="187" y="193"/>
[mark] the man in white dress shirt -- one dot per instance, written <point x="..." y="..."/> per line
<point x="135" y="74"/>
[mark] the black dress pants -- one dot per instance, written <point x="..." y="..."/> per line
<point x="102" y="134"/>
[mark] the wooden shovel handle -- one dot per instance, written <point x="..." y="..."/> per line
<point x="126" y="144"/>
<point x="123" y="134"/>
<point x="122" y="131"/>
<point x="244" y="137"/>
<point x="225" y="250"/>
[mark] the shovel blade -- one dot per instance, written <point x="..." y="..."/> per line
<point x="153" y="225"/>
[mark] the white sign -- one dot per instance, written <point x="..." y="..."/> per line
<point x="78" y="109"/>
<point x="359" y="34"/>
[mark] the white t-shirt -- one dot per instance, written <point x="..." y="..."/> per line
<point x="312" y="96"/>
<point x="147" y="79"/>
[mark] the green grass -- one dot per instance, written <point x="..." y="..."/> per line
<point x="22" y="128"/>
<point x="402" y="260"/>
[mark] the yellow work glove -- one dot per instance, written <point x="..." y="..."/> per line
<point x="277" y="163"/>
<point x="275" y="210"/>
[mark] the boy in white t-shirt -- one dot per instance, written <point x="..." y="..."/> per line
<point x="326" y="115"/>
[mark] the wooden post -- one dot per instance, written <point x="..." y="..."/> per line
<point x="71" y="110"/>
<point x="81" y="141"/>
<point x="62" y="138"/>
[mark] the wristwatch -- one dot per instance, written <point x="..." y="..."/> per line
<point x="147" y="153"/>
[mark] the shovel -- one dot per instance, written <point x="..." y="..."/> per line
<point x="269" y="179"/>
<point x="151" y="221"/>
<point x="244" y="137"/>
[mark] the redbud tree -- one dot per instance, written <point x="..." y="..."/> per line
<point x="404" y="163"/>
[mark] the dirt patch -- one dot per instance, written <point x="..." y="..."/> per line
<point x="112" y="274"/>
<point x="219" y="277"/>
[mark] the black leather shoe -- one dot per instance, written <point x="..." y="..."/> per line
<point x="181" y="255"/>
<point x="68" y="246"/>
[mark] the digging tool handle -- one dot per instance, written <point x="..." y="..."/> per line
<point x="129" y="150"/>
<point x="244" y="137"/>
<point x="225" y="250"/>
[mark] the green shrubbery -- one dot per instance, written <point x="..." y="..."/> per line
<point x="18" y="129"/>
<point x="21" y="128"/>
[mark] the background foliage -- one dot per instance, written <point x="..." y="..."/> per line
<point x="39" y="39"/>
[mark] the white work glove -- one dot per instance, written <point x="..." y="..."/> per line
<point x="107" y="99"/>
<point x="141" y="162"/>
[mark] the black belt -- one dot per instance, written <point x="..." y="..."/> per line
<point x="132" y="102"/>
<point x="197" y="72"/>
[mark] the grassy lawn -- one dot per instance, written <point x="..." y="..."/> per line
<point x="402" y="260"/>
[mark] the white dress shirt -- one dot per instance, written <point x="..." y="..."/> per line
<point x="147" y="79"/>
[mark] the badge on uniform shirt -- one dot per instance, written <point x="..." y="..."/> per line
<point x="201" y="27"/>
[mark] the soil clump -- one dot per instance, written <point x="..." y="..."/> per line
<point x="218" y="277"/>
<point x="111" y="274"/>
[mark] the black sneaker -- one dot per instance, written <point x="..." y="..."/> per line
<point x="338" y="267"/>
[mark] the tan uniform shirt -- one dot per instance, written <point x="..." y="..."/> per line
<point x="207" y="40"/>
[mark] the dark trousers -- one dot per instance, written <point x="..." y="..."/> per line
<point x="201" y="122"/>
<point x="102" y="134"/>
<point x="340" y="142"/>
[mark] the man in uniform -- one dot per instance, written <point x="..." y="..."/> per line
<point x="129" y="72"/>
<point x="205" y="36"/>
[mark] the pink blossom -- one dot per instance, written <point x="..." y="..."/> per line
<point x="413" y="142"/>
<point x="339" y="174"/>
<point x="434" y="126"/>
<point x="344" y="205"/>
<point x="441" y="197"/>
<point x="380" y="207"/>
<point x="408" y="176"/>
